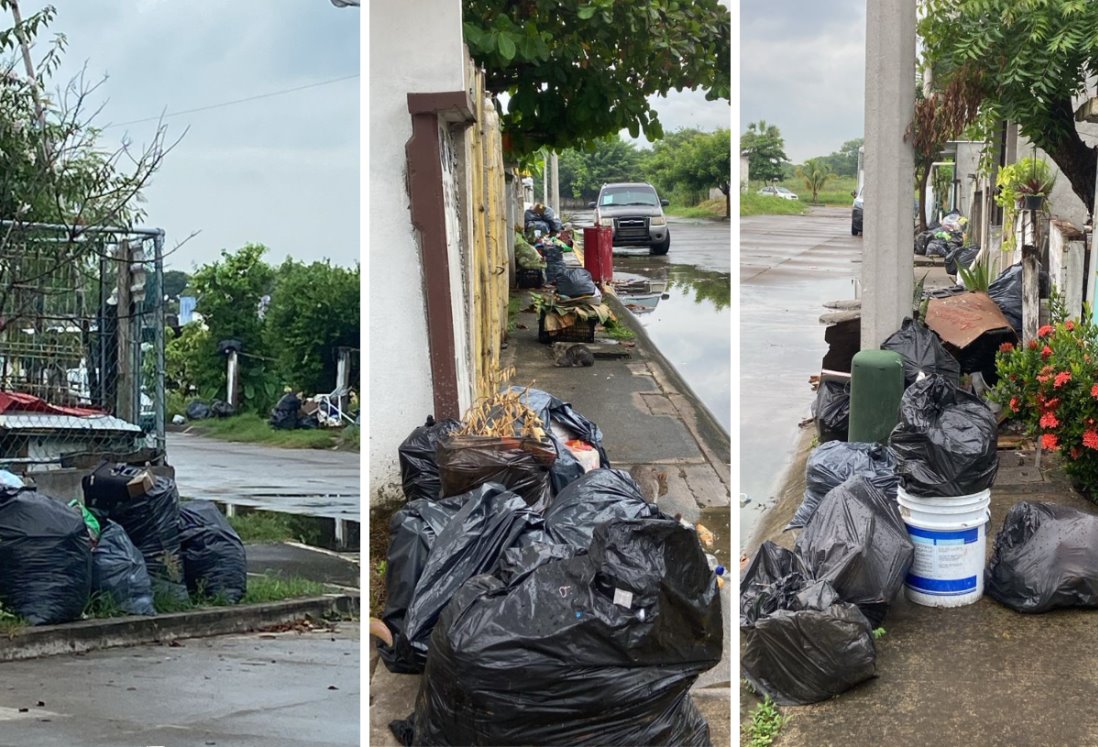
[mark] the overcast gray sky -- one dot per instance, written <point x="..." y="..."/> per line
<point x="802" y="68"/>
<point x="282" y="171"/>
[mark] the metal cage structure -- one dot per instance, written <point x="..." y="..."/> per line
<point x="81" y="344"/>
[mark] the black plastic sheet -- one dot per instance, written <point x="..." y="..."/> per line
<point x="214" y="561"/>
<point x="922" y="353"/>
<point x="413" y="530"/>
<point x="490" y="521"/>
<point x="597" y="497"/>
<point x="1006" y="292"/>
<point x="833" y="463"/>
<point x="1045" y="557"/>
<point x="417" y="455"/>
<point x="520" y="464"/>
<point x="857" y="542"/>
<point x="946" y="441"/>
<point x="599" y="649"/>
<point x="832" y="411"/>
<point x="118" y="571"/>
<point x="799" y="643"/>
<point x="45" y="558"/>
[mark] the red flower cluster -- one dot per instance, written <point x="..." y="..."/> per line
<point x="1061" y="378"/>
<point x="1046" y="352"/>
<point x="1090" y="439"/>
<point x="1006" y="347"/>
<point x="1048" y="420"/>
<point x="1046" y="330"/>
<point x="1050" y="442"/>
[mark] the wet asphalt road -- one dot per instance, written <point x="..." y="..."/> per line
<point x="314" y="482"/>
<point x="789" y="267"/>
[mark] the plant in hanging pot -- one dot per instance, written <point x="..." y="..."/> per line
<point x="1022" y="186"/>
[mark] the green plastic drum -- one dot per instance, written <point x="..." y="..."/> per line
<point x="876" y="386"/>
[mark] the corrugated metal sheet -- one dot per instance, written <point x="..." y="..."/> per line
<point x="45" y="422"/>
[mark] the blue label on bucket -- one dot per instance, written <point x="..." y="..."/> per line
<point x="942" y="587"/>
<point x="936" y="537"/>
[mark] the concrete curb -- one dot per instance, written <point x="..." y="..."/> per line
<point x="712" y="432"/>
<point x="90" y="635"/>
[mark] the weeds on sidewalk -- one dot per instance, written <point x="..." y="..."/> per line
<point x="379" y="554"/>
<point x="269" y="588"/>
<point x="616" y="330"/>
<point x="766" y="723"/>
<point x="10" y="623"/>
<point x="271" y="526"/>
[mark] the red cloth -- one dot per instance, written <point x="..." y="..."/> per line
<point x="19" y="402"/>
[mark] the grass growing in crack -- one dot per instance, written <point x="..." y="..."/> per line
<point x="514" y="306"/>
<point x="102" y="605"/>
<point x="379" y="554"/>
<point x="766" y="723"/>
<point x="618" y="331"/>
<point x="879" y="633"/>
<point x="269" y="588"/>
<point x="270" y="526"/>
<point x="11" y="624"/>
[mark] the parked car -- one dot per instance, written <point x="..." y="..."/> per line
<point x="856" y="214"/>
<point x="785" y="194"/>
<point x="634" y="212"/>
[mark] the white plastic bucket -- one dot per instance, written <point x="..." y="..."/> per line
<point x="950" y="537"/>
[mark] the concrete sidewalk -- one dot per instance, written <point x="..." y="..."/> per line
<point x="650" y="420"/>
<point x="976" y="675"/>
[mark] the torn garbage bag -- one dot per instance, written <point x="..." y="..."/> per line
<point x="595" y="498"/>
<point x="857" y="542"/>
<point x="45" y="558"/>
<point x="598" y="649"/>
<point x="945" y="443"/>
<point x="214" y="561"/>
<point x="555" y="413"/>
<point x="922" y="353"/>
<point x="799" y="642"/>
<point x="520" y="464"/>
<point x="833" y="463"/>
<point x="832" y="410"/>
<point x="412" y="533"/>
<point x="118" y="571"/>
<point x="490" y="521"/>
<point x="1045" y="557"/>
<point x="417" y="454"/>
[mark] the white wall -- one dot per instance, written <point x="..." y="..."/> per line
<point x="415" y="47"/>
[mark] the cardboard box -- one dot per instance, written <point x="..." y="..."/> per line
<point x="141" y="484"/>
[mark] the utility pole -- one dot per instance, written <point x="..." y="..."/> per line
<point x="555" y="181"/>
<point x="887" y="273"/>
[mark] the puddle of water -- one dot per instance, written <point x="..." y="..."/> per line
<point x="691" y="327"/>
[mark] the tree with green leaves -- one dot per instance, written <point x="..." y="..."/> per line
<point x="583" y="171"/>
<point x="314" y="311"/>
<point x="844" y="161"/>
<point x="765" y="150"/>
<point x="692" y="162"/>
<point x="815" y="173"/>
<point x="228" y="294"/>
<point x="1029" y="60"/>
<point x="579" y="70"/>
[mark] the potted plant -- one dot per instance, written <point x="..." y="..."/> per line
<point x="1022" y="186"/>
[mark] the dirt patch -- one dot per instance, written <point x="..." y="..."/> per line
<point x="379" y="553"/>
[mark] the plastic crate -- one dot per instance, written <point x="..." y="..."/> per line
<point x="581" y="331"/>
<point x="529" y="278"/>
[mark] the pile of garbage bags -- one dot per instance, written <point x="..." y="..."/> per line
<point x="833" y="463"/>
<point x="591" y="594"/>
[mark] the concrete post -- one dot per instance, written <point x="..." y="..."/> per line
<point x="887" y="275"/>
<point x="554" y="180"/>
<point x="343" y="378"/>
<point x="232" y="376"/>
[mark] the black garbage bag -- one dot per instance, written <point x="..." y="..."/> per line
<point x="833" y="463"/>
<point x="519" y="562"/>
<point x="214" y="561"/>
<point x="418" y="468"/>
<point x="45" y="557"/>
<point x="832" y="411"/>
<point x="118" y="571"/>
<point x="1006" y="292"/>
<point x="284" y="416"/>
<point x="520" y="464"/>
<point x="222" y="409"/>
<point x="413" y="530"/>
<point x="921" y="240"/>
<point x="150" y="519"/>
<point x="857" y="542"/>
<point x="922" y="353"/>
<point x="576" y="282"/>
<point x="597" y="497"/>
<point x="961" y="257"/>
<point x="937" y="247"/>
<point x="197" y="410"/>
<point x="599" y="649"/>
<point x="799" y="642"/>
<point x="946" y="441"/>
<point x="554" y="411"/>
<point x="490" y="521"/>
<point x="1045" y="557"/>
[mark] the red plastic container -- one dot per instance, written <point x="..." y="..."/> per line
<point x="598" y="253"/>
